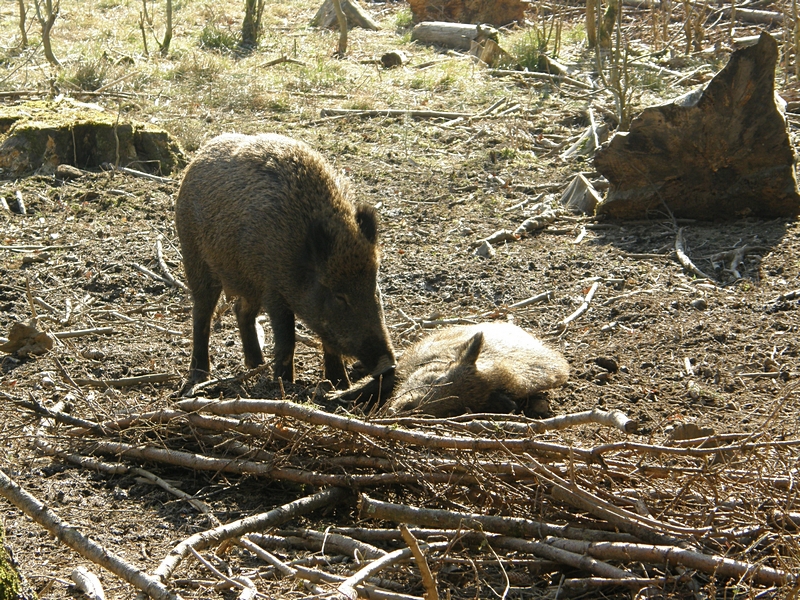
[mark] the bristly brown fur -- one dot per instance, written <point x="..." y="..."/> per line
<point x="487" y="367"/>
<point x="264" y="218"/>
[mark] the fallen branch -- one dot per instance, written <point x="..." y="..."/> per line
<point x="63" y="335"/>
<point x="88" y="583"/>
<point x="84" y="546"/>
<point x="128" y="381"/>
<point x="414" y="114"/>
<point x="476" y="424"/>
<point x="201" y="462"/>
<point x="318" y="417"/>
<point x="281" y="60"/>
<point x="128" y="319"/>
<point x="561" y="327"/>
<point x="348" y="586"/>
<point x="314" y="576"/>
<point x="165" y="269"/>
<point x="720" y="566"/>
<point x="370" y="508"/>
<point x="684" y="259"/>
<point x="135" y="173"/>
<point x="281" y="514"/>
<point x="554" y="79"/>
<point x="561" y="556"/>
<point x="150" y="273"/>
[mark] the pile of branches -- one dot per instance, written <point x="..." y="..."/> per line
<point x="692" y="514"/>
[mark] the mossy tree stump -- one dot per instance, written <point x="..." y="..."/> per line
<point x="12" y="585"/>
<point x="39" y="136"/>
<point x="719" y="153"/>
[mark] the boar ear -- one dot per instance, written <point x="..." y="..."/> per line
<point x="367" y="220"/>
<point x="319" y="244"/>
<point x="469" y="352"/>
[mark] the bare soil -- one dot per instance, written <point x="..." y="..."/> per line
<point x="651" y="328"/>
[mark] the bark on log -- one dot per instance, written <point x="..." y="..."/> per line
<point x="356" y="16"/>
<point x="450" y="35"/>
<point x="495" y="12"/>
<point x="722" y="152"/>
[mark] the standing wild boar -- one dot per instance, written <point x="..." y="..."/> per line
<point x="472" y="368"/>
<point x="264" y="218"/>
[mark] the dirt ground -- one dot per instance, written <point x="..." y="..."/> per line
<point x="656" y="343"/>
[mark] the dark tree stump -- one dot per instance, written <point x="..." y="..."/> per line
<point x="717" y="153"/>
<point x="494" y="12"/>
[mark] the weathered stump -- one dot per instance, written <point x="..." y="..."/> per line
<point x="39" y="136"/>
<point x="356" y="16"/>
<point x="494" y="12"/>
<point x="717" y="153"/>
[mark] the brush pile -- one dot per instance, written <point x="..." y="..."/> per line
<point x="514" y="505"/>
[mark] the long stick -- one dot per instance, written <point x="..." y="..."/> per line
<point x="319" y="417"/>
<point x="70" y="536"/>
<point x="416" y="114"/>
<point x="446" y="519"/>
<point x="287" y="512"/>
<point x="718" y="565"/>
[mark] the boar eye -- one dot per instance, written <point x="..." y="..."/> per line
<point x="342" y="300"/>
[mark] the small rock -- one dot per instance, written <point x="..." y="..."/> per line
<point x="29" y="259"/>
<point x="25" y="340"/>
<point x="65" y="171"/>
<point x="93" y="354"/>
<point x="19" y="207"/>
<point x="689" y="431"/>
<point x="395" y="58"/>
<point x="485" y="250"/>
<point x="700" y="304"/>
<point x="604" y="377"/>
<point x="607" y="363"/>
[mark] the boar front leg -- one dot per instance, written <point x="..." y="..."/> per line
<point x="335" y="371"/>
<point x="247" y="310"/>
<point x="281" y="318"/>
<point x="205" y="292"/>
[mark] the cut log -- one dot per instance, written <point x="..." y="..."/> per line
<point x="716" y="153"/>
<point x="494" y="12"/>
<point x="356" y="16"/>
<point x="451" y="35"/>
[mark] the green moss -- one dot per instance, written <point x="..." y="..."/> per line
<point x="44" y="134"/>
<point x="9" y="580"/>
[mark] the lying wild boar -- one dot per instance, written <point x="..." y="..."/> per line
<point x="473" y="368"/>
<point x="264" y="218"/>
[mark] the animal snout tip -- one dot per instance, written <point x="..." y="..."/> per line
<point x="385" y="365"/>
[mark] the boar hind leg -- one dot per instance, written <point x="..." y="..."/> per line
<point x="246" y="312"/>
<point x="205" y="301"/>
<point x="335" y="371"/>
<point x="281" y="318"/>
